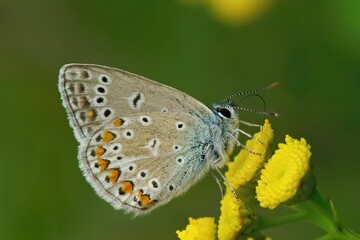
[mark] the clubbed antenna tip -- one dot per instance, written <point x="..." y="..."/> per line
<point x="275" y="84"/>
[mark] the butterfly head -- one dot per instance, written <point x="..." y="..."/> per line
<point x="225" y="110"/>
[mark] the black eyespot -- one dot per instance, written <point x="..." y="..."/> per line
<point x="119" y="158"/>
<point x="107" y="179"/>
<point x="115" y="148"/>
<point x="128" y="134"/>
<point x="107" y="113"/>
<point x="171" y="187"/>
<point x="145" y="119"/>
<point x="224" y="112"/>
<point x="100" y="100"/>
<point x="131" y="168"/>
<point x="179" y="160"/>
<point x="155" y="185"/>
<point x="98" y="138"/>
<point x="142" y="174"/>
<point x="101" y="89"/>
<point x="104" y="79"/>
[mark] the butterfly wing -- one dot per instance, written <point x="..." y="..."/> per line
<point x="94" y="94"/>
<point x="140" y="161"/>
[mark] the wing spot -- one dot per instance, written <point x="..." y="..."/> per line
<point x="81" y="88"/>
<point x="108" y="136"/>
<point x="98" y="138"/>
<point x="85" y="74"/>
<point x="107" y="113"/>
<point x="102" y="163"/>
<point x="180" y="160"/>
<point x="132" y="167"/>
<point x="145" y="120"/>
<point x="136" y="100"/>
<point x="74" y="101"/>
<point x="84" y="102"/>
<point x="99" y="151"/>
<point x="180" y="125"/>
<point x="128" y="134"/>
<point x="104" y="79"/>
<point x="101" y="89"/>
<point x="154" y="183"/>
<point x="176" y="148"/>
<point x="116" y="147"/>
<point x="127" y="187"/>
<point x="114" y="174"/>
<point x="89" y="130"/>
<point x="144" y="200"/>
<point x="171" y="188"/>
<point x="91" y="115"/>
<point x="82" y="116"/>
<point x="71" y="88"/>
<point x="118" y="122"/>
<point x="142" y="174"/>
<point x="100" y="100"/>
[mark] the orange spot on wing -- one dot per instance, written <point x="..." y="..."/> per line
<point x="91" y="114"/>
<point x="99" y="151"/>
<point x="114" y="175"/>
<point x="118" y="122"/>
<point x="103" y="164"/>
<point x="108" y="136"/>
<point x="127" y="187"/>
<point x="144" y="200"/>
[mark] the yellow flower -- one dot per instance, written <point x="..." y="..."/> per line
<point x="235" y="217"/>
<point x="246" y="164"/>
<point x="285" y="172"/>
<point x="238" y="11"/>
<point x="234" y="11"/>
<point x="199" y="229"/>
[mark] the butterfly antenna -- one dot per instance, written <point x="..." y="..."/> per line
<point x="252" y="91"/>
<point x="267" y="113"/>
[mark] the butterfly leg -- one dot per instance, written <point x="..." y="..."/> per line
<point x="249" y="124"/>
<point x="239" y="144"/>
<point x="218" y="182"/>
<point x="246" y="134"/>
<point x="224" y="178"/>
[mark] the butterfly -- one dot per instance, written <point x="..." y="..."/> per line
<point x="143" y="143"/>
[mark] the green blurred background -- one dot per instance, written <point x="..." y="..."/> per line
<point x="312" y="48"/>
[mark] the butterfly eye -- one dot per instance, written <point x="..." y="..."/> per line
<point x="224" y="112"/>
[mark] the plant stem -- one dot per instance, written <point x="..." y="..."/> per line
<point x="274" y="221"/>
<point x="321" y="212"/>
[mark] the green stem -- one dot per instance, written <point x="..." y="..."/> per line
<point x="321" y="212"/>
<point x="274" y="221"/>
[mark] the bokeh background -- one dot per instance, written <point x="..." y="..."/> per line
<point x="207" y="48"/>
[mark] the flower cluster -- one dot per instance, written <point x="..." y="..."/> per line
<point x="267" y="180"/>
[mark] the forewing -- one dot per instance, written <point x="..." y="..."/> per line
<point x="94" y="94"/>
<point x="143" y="160"/>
